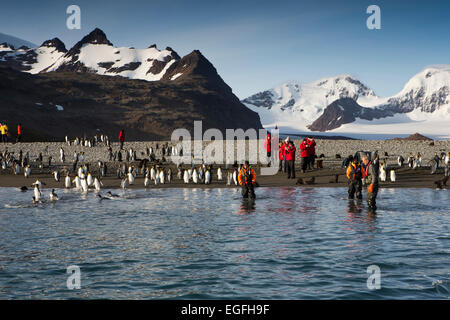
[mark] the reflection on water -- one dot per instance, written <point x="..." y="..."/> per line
<point x="289" y="243"/>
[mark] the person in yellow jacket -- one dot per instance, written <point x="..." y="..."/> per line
<point x="355" y="174"/>
<point x="4" y="132"/>
<point x="247" y="179"/>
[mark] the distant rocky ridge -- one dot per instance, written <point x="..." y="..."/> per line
<point x="314" y="106"/>
<point x="56" y="92"/>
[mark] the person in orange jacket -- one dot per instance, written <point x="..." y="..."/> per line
<point x="121" y="138"/>
<point x="355" y="173"/>
<point x="247" y="179"/>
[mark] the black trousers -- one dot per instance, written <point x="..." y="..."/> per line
<point x="291" y="169"/>
<point x="121" y="145"/>
<point x="4" y="138"/>
<point x="19" y="138"/>
<point x="371" y="198"/>
<point x="304" y="163"/>
<point x="248" y="189"/>
<point x="355" y="187"/>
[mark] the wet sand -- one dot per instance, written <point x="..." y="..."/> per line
<point x="406" y="178"/>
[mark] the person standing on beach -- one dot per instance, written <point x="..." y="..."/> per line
<point x="311" y="152"/>
<point x="121" y="138"/>
<point x="304" y="155"/>
<point x="247" y="179"/>
<point x="19" y="133"/>
<point x="4" y="132"/>
<point x="281" y="156"/>
<point x="371" y="175"/>
<point x="354" y="175"/>
<point x="268" y="144"/>
<point x="289" y="152"/>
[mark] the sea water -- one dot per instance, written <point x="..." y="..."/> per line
<point x="290" y="243"/>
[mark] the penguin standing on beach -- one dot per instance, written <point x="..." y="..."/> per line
<point x="392" y="175"/>
<point x="186" y="176"/>
<point x="130" y="178"/>
<point x="84" y="185"/>
<point x="207" y="176"/>
<point x="67" y="182"/>
<point x="77" y="182"/>
<point x="27" y="171"/>
<point x="382" y="173"/>
<point x="62" y="155"/>
<point x="56" y="175"/>
<point x="97" y="184"/>
<point x="194" y="176"/>
<point x="147" y="179"/>
<point x="219" y="174"/>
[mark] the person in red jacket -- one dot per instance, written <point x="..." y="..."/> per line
<point x="311" y="152"/>
<point x="268" y="144"/>
<point x="121" y="138"/>
<point x="281" y="148"/>
<point x="19" y="133"/>
<point x="304" y="155"/>
<point x="289" y="152"/>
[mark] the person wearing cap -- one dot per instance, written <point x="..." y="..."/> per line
<point x="247" y="179"/>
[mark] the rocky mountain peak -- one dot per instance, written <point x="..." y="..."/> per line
<point x="55" y="43"/>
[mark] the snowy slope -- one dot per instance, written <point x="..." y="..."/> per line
<point x="303" y="103"/>
<point x="33" y="60"/>
<point x="421" y="106"/>
<point x="127" y="62"/>
<point x="94" y="53"/>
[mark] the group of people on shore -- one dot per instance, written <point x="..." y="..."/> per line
<point x="6" y="135"/>
<point x="286" y="154"/>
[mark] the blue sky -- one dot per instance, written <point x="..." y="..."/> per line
<point x="256" y="45"/>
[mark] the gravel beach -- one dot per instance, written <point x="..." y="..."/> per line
<point x="406" y="177"/>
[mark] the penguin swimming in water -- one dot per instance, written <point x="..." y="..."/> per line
<point x="112" y="195"/>
<point x="392" y="175"/>
<point x="53" y="196"/>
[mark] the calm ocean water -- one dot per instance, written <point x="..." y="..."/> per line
<point x="292" y="243"/>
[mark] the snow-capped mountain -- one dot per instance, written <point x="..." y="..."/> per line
<point x="295" y="107"/>
<point x="305" y="102"/>
<point x="93" y="54"/>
